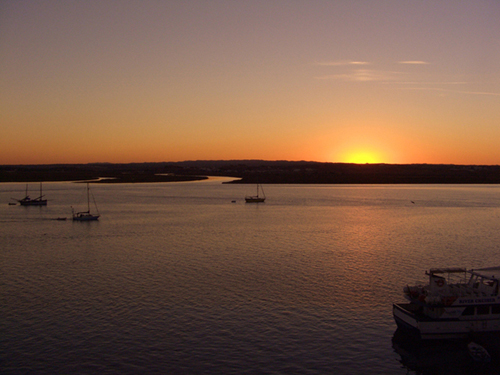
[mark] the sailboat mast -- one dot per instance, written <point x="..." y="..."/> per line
<point x="88" y="197"/>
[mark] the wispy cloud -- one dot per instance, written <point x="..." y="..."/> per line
<point x="407" y="79"/>
<point x="356" y="71"/>
<point x="342" y="63"/>
<point x="424" y="83"/>
<point x="360" y="75"/>
<point x="414" y="62"/>
<point x="440" y="89"/>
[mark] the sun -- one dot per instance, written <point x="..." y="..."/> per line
<point x="362" y="157"/>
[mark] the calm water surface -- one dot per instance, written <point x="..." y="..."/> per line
<point x="179" y="279"/>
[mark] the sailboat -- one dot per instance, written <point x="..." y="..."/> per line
<point x="86" y="215"/>
<point x="256" y="198"/>
<point x="27" y="201"/>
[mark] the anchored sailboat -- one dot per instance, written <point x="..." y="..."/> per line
<point x="256" y="198"/>
<point x="27" y="201"/>
<point x="86" y="215"/>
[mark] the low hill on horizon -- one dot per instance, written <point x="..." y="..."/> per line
<point x="261" y="171"/>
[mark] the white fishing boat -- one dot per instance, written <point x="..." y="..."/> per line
<point x="86" y="215"/>
<point x="27" y="201"/>
<point x="256" y="198"/>
<point x="455" y="303"/>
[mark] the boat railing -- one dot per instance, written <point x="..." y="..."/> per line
<point x="463" y="290"/>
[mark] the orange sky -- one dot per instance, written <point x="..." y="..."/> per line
<point x="142" y="81"/>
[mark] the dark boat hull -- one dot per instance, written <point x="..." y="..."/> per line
<point x="408" y="318"/>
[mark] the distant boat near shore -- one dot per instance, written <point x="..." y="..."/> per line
<point x="256" y="198"/>
<point x="27" y="201"/>
<point x="86" y="215"/>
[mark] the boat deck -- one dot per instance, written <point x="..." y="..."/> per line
<point x="414" y="311"/>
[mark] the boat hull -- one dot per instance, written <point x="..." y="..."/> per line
<point x="408" y="319"/>
<point x="257" y="198"/>
<point x="93" y="218"/>
<point x="85" y="217"/>
<point x="33" y="203"/>
<point x="254" y="200"/>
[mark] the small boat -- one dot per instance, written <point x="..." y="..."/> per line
<point x="86" y="215"/>
<point x="478" y="353"/>
<point x="27" y="201"/>
<point x="455" y="303"/>
<point x="256" y="198"/>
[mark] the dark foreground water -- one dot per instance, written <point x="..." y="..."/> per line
<point x="179" y="279"/>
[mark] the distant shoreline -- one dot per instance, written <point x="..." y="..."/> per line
<point x="255" y="171"/>
<point x="132" y="179"/>
<point x="138" y="179"/>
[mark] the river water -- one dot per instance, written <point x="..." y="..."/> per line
<point x="186" y="278"/>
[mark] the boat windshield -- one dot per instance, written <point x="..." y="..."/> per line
<point x="492" y="273"/>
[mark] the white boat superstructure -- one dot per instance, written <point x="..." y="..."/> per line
<point x="455" y="302"/>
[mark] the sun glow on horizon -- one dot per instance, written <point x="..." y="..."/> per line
<point x="362" y="157"/>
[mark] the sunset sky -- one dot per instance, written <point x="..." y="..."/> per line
<point x="390" y="81"/>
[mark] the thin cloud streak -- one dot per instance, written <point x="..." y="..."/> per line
<point x="452" y="91"/>
<point x="342" y="63"/>
<point x="413" y="62"/>
<point x="364" y="75"/>
<point x="393" y="77"/>
<point x="428" y="83"/>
